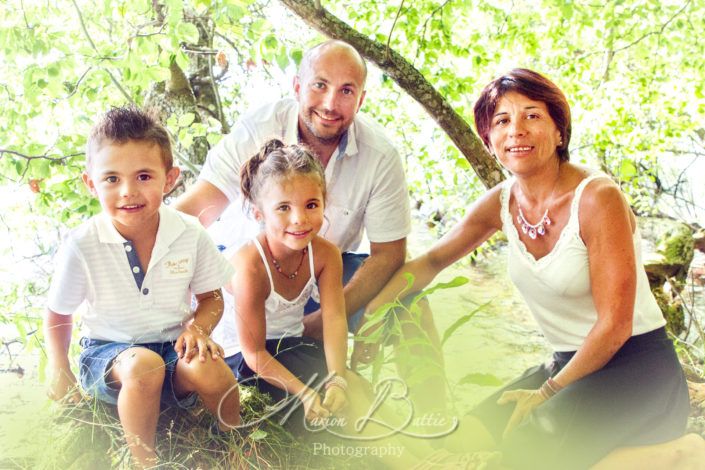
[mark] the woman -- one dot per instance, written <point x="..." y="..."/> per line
<point x="615" y="381"/>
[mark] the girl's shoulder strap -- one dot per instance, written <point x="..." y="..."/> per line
<point x="264" y="260"/>
<point x="310" y="260"/>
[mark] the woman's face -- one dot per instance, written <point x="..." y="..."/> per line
<point x="523" y="135"/>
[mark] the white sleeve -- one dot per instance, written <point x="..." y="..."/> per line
<point x="212" y="270"/>
<point x="388" y="216"/>
<point x="70" y="281"/>
<point x="222" y="166"/>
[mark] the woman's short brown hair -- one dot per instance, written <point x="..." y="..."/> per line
<point x="535" y="87"/>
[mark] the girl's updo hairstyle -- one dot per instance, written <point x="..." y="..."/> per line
<point x="279" y="161"/>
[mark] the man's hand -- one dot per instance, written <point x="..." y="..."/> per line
<point x="526" y="401"/>
<point x="365" y="352"/>
<point x="63" y="386"/>
<point x="334" y="399"/>
<point x="313" y="325"/>
<point x="194" y="341"/>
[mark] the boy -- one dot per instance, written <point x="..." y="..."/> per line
<point x="136" y="265"/>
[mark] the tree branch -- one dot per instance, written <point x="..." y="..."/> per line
<point x="410" y="80"/>
<point x="90" y="41"/>
<point x="39" y="157"/>
<point x="391" y="30"/>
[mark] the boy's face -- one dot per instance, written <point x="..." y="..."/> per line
<point x="130" y="180"/>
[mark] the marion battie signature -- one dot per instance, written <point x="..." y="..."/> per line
<point x="377" y="422"/>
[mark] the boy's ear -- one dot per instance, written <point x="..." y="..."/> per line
<point x="88" y="181"/>
<point x="171" y="177"/>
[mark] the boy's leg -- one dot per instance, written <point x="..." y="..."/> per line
<point x="215" y="383"/>
<point x="139" y="375"/>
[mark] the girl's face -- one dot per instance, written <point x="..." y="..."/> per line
<point x="292" y="210"/>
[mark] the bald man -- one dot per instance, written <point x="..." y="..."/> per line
<point x="365" y="179"/>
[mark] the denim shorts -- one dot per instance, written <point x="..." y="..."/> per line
<point x="97" y="358"/>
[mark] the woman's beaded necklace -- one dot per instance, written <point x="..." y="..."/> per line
<point x="538" y="229"/>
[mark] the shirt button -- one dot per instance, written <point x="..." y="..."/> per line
<point x="136" y="269"/>
<point x="145" y="291"/>
<point x="128" y="248"/>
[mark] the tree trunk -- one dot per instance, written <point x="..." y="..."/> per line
<point x="410" y="80"/>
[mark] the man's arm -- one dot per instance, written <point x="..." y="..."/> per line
<point x="368" y="280"/>
<point x="384" y="260"/>
<point x="203" y="200"/>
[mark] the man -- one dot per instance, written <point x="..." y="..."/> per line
<point x="365" y="179"/>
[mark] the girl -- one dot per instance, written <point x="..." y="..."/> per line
<point x="276" y="274"/>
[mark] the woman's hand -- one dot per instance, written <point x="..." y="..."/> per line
<point x="312" y="405"/>
<point x="526" y="401"/>
<point x="334" y="399"/>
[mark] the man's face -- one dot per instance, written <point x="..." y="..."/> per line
<point x="330" y="91"/>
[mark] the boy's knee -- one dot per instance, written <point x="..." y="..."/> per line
<point x="139" y="367"/>
<point x="208" y="376"/>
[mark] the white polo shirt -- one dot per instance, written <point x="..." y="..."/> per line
<point x="125" y="304"/>
<point x="365" y="179"/>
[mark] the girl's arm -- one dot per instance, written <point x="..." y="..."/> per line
<point x="329" y="267"/>
<point x="606" y="227"/>
<point x="329" y="274"/>
<point x="250" y="288"/>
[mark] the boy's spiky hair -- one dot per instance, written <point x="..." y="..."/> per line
<point x="122" y="124"/>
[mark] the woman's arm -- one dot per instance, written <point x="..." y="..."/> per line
<point x="479" y="223"/>
<point x="250" y="288"/>
<point x="606" y="226"/>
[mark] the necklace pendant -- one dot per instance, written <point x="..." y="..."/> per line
<point x="532" y="233"/>
<point x="541" y="230"/>
<point x="546" y="221"/>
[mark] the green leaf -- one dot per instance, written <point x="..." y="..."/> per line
<point x="456" y="282"/>
<point x="258" y="435"/>
<point x="41" y="168"/>
<point x="460" y="322"/>
<point x="627" y="169"/>
<point x="484" y="380"/>
<point x="186" y="120"/>
<point x="187" y="32"/>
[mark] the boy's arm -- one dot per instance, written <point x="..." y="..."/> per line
<point x="57" y="334"/>
<point x="196" y="336"/>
